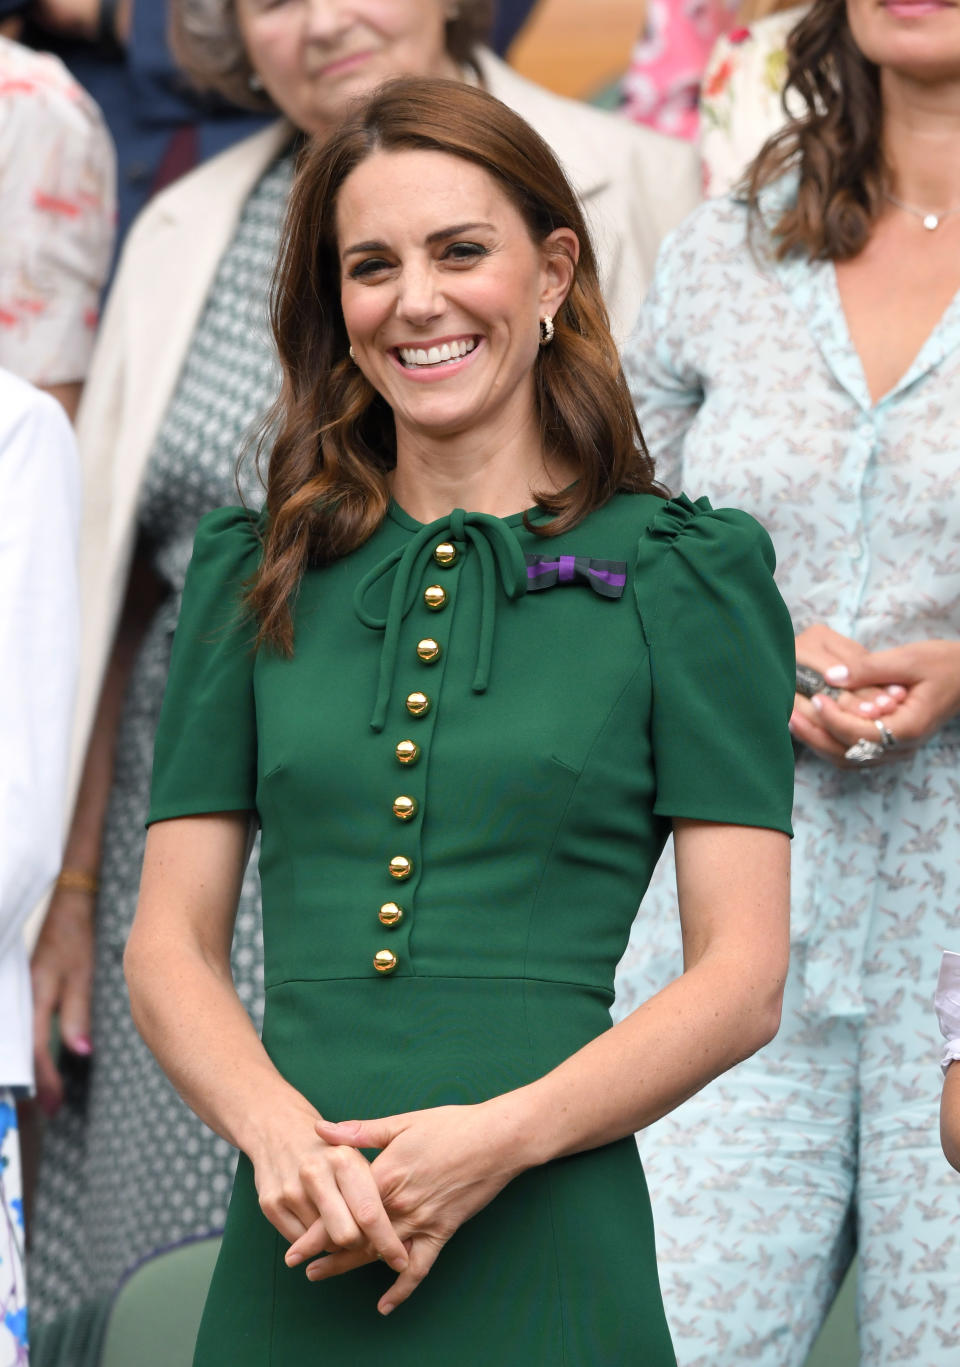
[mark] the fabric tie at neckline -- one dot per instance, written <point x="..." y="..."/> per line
<point x="606" y="577"/>
<point x="498" y="553"/>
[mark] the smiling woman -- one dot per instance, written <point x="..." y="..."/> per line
<point x="458" y="811"/>
<point x="184" y="370"/>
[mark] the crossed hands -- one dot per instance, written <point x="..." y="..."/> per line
<point x="912" y="689"/>
<point x="435" y="1169"/>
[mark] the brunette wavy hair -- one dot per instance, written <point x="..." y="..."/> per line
<point x="834" y="143"/>
<point x="334" y="438"/>
<point x="206" y="43"/>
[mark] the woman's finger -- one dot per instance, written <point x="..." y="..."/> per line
<point x="283" y="1219"/>
<point x="322" y="1188"/>
<point x="423" y="1254"/>
<point x="361" y="1193"/>
<point x="335" y="1264"/>
<point x="312" y="1241"/>
<point x="361" y="1134"/>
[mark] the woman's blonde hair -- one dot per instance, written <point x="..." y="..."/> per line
<point x="207" y="45"/>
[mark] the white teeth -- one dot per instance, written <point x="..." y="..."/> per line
<point x="449" y="351"/>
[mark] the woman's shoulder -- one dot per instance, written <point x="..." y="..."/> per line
<point x="689" y="548"/>
<point x="657" y="525"/>
<point x="228" y="542"/>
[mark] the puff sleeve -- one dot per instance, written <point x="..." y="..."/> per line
<point x="205" y="753"/>
<point x="722" y="666"/>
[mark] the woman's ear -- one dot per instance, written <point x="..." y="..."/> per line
<point x="561" y="252"/>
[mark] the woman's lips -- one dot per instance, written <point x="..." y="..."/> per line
<point x="341" y="65"/>
<point x="915" y="9"/>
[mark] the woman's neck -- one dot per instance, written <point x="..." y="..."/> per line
<point x="482" y="471"/>
<point x="921" y="134"/>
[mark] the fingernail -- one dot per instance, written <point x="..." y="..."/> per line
<point x="836" y="673"/>
<point x="867" y="708"/>
<point x="81" y="1045"/>
<point x="817" y="702"/>
<point x="385" y="1309"/>
<point x="293" y="1259"/>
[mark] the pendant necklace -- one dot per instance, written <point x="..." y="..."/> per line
<point x="930" y="221"/>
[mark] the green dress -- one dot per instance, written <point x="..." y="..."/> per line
<point x="583" y="691"/>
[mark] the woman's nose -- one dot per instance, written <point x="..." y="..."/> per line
<point x="419" y="297"/>
<point x="326" y="20"/>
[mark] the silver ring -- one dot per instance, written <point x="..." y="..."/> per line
<point x="886" y="735"/>
<point x="864" y="752"/>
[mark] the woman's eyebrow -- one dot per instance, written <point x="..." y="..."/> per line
<point x="439" y="236"/>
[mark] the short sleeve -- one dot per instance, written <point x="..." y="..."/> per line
<point x="205" y="754"/>
<point x="722" y="666"/>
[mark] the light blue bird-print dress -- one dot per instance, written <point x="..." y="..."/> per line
<point x="749" y="389"/>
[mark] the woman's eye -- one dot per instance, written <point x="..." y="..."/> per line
<point x="464" y="251"/>
<point x="373" y="265"/>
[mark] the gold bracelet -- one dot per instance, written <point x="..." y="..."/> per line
<point x="76" y="880"/>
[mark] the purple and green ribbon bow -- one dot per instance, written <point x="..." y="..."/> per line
<point x="606" y="577"/>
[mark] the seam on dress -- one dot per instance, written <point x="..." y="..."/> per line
<point x="453" y="978"/>
<point x="553" y="1224"/>
<point x="563" y="816"/>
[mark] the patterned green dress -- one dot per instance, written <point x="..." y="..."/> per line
<point x="127" y="1169"/>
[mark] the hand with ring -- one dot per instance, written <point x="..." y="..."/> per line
<point x="831" y="716"/>
<point x="930" y="671"/>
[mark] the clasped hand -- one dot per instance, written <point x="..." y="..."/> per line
<point x="435" y="1169"/>
<point x="913" y="689"/>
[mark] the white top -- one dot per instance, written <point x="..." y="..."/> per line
<point x="946" y="1003"/>
<point x="39" y="630"/>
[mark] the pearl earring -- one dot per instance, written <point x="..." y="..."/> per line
<point x="353" y="355"/>
<point x="546" y="330"/>
<point x="254" y="83"/>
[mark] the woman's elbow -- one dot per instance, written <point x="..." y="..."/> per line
<point x="762" y="1016"/>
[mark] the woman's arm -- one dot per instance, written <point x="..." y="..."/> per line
<point x="62" y="963"/>
<point x="950" y="1115"/>
<point x="177" y="964"/>
<point x="437" y="1168"/>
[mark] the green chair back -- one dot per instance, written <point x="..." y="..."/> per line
<point x="156" y="1315"/>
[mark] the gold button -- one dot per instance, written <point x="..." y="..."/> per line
<point x="428" y="650"/>
<point x="390" y="914"/>
<point x="407" y="752"/>
<point x="418" y="704"/>
<point x="435" y="597"/>
<point x="445" y="554"/>
<point x="400" y="867"/>
<point x="404" y="808"/>
<point x="384" y="961"/>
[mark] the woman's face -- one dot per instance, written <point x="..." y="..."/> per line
<point x="314" y="56"/>
<point x="918" y="39"/>
<point x="443" y="290"/>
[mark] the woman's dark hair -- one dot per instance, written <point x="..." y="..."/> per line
<point x="834" y="143"/>
<point x="335" y="442"/>
<point x="206" y="43"/>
